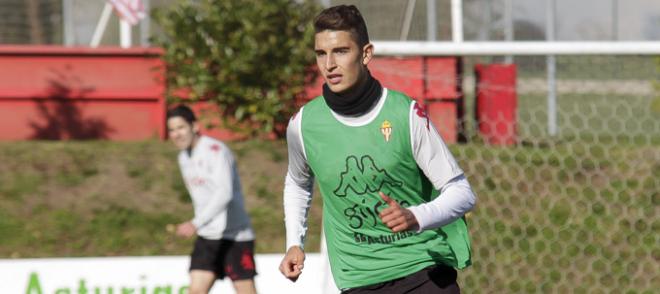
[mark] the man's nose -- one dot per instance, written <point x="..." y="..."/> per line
<point x="330" y="62"/>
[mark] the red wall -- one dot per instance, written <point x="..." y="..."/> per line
<point x="81" y="93"/>
<point x="111" y="93"/>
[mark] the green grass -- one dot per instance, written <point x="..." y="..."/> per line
<point x="571" y="215"/>
<point x="99" y="198"/>
<point x="584" y="67"/>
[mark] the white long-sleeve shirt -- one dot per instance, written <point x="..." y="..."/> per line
<point x="211" y="176"/>
<point x="429" y="150"/>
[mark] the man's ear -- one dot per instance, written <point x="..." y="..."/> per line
<point x="367" y="53"/>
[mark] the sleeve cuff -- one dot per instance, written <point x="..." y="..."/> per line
<point x="197" y="223"/>
<point x="294" y="241"/>
<point x="421" y="213"/>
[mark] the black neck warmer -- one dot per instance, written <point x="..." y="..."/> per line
<point x="357" y="100"/>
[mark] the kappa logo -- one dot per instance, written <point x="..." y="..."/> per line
<point x="363" y="176"/>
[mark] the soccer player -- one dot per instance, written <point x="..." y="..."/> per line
<point x="394" y="198"/>
<point x="225" y="240"/>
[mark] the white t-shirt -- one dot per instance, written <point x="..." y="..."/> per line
<point x="429" y="150"/>
<point x="211" y="176"/>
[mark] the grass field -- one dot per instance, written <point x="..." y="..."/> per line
<point x="109" y="198"/>
<point x="574" y="216"/>
<point x="576" y="212"/>
<point x="599" y="67"/>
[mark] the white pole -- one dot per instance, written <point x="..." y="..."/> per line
<point x="124" y="34"/>
<point x="615" y="20"/>
<point x="68" y="22"/>
<point x="145" y="25"/>
<point x="508" y="26"/>
<point x="484" y="28"/>
<point x="457" y="20"/>
<point x="551" y="69"/>
<point x="517" y="48"/>
<point x="100" y="26"/>
<point x="431" y="21"/>
<point x="405" y="29"/>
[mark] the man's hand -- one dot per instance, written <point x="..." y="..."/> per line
<point x="186" y="230"/>
<point x="293" y="263"/>
<point x="397" y="218"/>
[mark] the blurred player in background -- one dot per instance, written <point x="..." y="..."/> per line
<point x="393" y="195"/>
<point x="225" y="239"/>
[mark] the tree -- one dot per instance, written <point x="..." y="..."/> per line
<point x="249" y="57"/>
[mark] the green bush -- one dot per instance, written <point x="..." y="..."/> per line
<point x="249" y="57"/>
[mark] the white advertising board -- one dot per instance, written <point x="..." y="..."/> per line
<point x="139" y="275"/>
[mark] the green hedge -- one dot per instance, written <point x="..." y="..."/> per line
<point x="249" y="57"/>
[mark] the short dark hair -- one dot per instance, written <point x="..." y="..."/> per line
<point x="343" y="18"/>
<point x="182" y="111"/>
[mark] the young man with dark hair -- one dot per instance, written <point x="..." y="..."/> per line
<point x="394" y="198"/>
<point x="225" y="240"/>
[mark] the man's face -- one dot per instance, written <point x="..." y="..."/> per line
<point x="341" y="61"/>
<point x="181" y="132"/>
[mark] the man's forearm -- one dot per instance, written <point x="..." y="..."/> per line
<point x="455" y="200"/>
<point x="297" y="201"/>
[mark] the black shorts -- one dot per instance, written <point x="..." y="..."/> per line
<point x="226" y="258"/>
<point x="438" y="279"/>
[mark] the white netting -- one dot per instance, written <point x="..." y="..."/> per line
<point x="30" y="21"/>
<point x="576" y="211"/>
<point x="43" y="22"/>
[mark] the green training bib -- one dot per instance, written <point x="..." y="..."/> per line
<point x="352" y="164"/>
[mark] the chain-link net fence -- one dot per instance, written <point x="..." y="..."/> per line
<point x="30" y="21"/>
<point x="67" y="22"/>
<point x="574" y="212"/>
